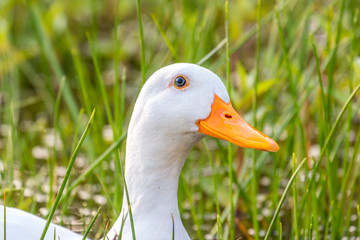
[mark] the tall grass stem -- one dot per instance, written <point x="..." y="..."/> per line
<point x="142" y="44"/>
<point x="282" y="199"/>
<point x="91" y="223"/>
<point x="67" y="175"/>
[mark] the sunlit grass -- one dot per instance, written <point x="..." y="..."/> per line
<point x="292" y="68"/>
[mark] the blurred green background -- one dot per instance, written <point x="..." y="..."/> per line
<point x="293" y="65"/>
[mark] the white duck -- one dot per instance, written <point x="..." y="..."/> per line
<point x="176" y="107"/>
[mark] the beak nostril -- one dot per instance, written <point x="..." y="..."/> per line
<point x="228" y="115"/>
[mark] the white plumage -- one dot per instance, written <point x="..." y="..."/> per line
<point x="21" y="225"/>
<point x="164" y="127"/>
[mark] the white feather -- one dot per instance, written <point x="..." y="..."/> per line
<point x="22" y="225"/>
<point x="161" y="133"/>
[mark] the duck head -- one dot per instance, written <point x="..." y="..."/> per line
<point x="188" y="101"/>
<point x="177" y="106"/>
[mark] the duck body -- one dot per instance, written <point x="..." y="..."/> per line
<point x="177" y="106"/>
<point x="22" y="225"/>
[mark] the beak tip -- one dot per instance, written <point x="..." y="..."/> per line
<point x="274" y="147"/>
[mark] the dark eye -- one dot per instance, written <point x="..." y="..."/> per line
<point x="180" y="82"/>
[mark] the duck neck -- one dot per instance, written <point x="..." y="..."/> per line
<point x="152" y="168"/>
<point x="152" y="171"/>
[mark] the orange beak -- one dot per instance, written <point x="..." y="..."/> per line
<point x="225" y="123"/>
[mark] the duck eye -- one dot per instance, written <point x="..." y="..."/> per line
<point x="180" y="82"/>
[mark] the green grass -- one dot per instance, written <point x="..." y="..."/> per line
<point x="281" y="202"/>
<point x="4" y="216"/>
<point x="66" y="177"/>
<point x="292" y="69"/>
<point x="91" y="224"/>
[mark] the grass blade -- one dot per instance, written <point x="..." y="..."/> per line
<point x="323" y="98"/>
<point x="4" y="215"/>
<point x="287" y="189"/>
<point x="194" y="216"/>
<point x="331" y="66"/>
<point x="122" y="225"/>
<point x="96" y="163"/>
<point x="166" y="39"/>
<point x="254" y="182"/>
<point x="328" y="222"/>
<point x="142" y="44"/>
<point x="215" y="188"/>
<point x="52" y="161"/>
<point x="49" y="52"/>
<point x="280" y="231"/>
<point x="67" y="175"/>
<point x="128" y="200"/>
<point x="295" y="215"/>
<point x="100" y="81"/>
<point x="107" y="195"/>
<point x="293" y="83"/>
<point x="81" y="76"/>
<point x="212" y="52"/>
<point x="106" y="229"/>
<point x="91" y="223"/>
<point x="229" y="155"/>
<point x="311" y="227"/>
<point x="358" y="217"/>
